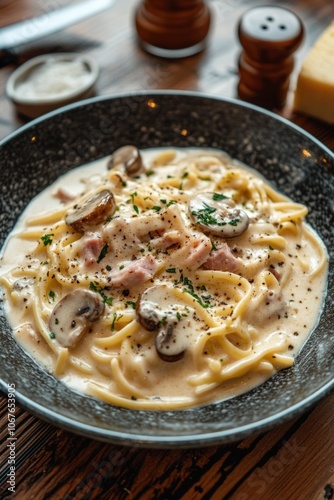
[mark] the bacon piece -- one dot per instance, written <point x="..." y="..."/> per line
<point x="63" y="195"/>
<point x="91" y="249"/>
<point x="198" y="251"/>
<point x="222" y="259"/>
<point x="135" y="273"/>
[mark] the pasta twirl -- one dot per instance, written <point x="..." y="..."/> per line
<point x="184" y="279"/>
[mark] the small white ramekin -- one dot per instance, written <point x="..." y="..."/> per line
<point x="33" y="107"/>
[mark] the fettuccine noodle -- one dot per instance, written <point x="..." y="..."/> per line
<point x="193" y="307"/>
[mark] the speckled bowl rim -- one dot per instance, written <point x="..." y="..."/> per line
<point x="237" y="102"/>
<point x="172" y="441"/>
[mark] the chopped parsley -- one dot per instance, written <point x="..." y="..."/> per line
<point x="131" y="303"/>
<point x="189" y="288"/>
<point x="156" y="208"/>
<point x="47" y="239"/>
<point x="233" y="222"/>
<point x="108" y="219"/>
<point x="52" y="335"/>
<point x="171" y="270"/>
<point x="52" y="296"/>
<point x="135" y="208"/>
<point x="162" y="321"/>
<point x="112" y="326"/>
<point x="115" y="318"/>
<point x="218" y="197"/>
<point x="133" y="195"/>
<point x="95" y="288"/>
<point x="184" y="176"/>
<point x="205" y="217"/>
<point x="103" y="253"/>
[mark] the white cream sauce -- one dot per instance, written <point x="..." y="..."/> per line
<point x="287" y="318"/>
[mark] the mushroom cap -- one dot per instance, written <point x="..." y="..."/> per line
<point x="73" y="314"/>
<point x="147" y="316"/>
<point x="170" y="343"/>
<point x="157" y="311"/>
<point x="94" y="211"/>
<point x="218" y="215"/>
<point x="128" y="157"/>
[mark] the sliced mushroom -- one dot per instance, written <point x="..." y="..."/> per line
<point x="128" y="157"/>
<point x="218" y="215"/>
<point x="94" y="211"/>
<point x="157" y="312"/>
<point x="73" y="315"/>
<point x="169" y="343"/>
<point x="148" y="317"/>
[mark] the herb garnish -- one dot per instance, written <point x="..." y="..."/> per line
<point x="189" y="288"/>
<point x="184" y="176"/>
<point x="115" y="318"/>
<point x="204" y="216"/>
<point x="218" y="197"/>
<point x="47" y="239"/>
<point x="52" y="296"/>
<point x="103" y="253"/>
<point x="131" y="303"/>
<point x="167" y="203"/>
<point x="107" y="300"/>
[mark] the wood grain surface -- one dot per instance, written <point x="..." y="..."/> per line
<point x="292" y="461"/>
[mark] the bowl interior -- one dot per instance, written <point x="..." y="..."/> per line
<point x="294" y="162"/>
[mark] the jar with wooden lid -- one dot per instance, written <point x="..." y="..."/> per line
<point x="172" y="28"/>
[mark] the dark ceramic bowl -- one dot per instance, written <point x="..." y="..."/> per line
<point x="296" y="163"/>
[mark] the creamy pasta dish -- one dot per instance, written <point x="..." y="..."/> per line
<point x="163" y="279"/>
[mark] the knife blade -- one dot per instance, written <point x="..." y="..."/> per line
<point x="50" y="22"/>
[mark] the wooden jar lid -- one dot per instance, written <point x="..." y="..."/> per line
<point x="269" y="36"/>
<point x="172" y="27"/>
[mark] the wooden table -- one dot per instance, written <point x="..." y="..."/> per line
<point x="292" y="461"/>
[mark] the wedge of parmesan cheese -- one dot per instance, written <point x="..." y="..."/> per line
<point x="315" y="86"/>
